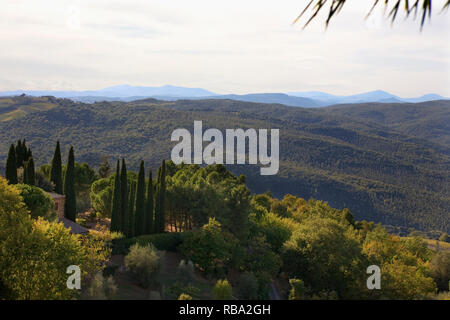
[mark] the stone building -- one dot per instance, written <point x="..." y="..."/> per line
<point x="59" y="200"/>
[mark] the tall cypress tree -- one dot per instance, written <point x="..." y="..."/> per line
<point x="56" y="171"/>
<point x="11" y="166"/>
<point x="131" y="212"/>
<point x="31" y="175"/>
<point x="70" y="205"/>
<point x="149" y="217"/>
<point x="19" y="154"/>
<point x="139" y="227"/>
<point x="156" y="222"/>
<point x="116" y="202"/>
<point x="124" y="201"/>
<point x="162" y="198"/>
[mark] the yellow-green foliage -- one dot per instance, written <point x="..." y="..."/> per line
<point x="34" y="254"/>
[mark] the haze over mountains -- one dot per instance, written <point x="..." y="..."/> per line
<point x="308" y="99"/>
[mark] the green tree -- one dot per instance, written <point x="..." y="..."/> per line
<point x="37" y="201"/>
<point x="210" y="248"/>
<point x="29" y="172"/>
<point x="56" y="171"/>
<point x="131" y="212"/>
<point x="327" y="256"/>
<point x="223" y="290"/>
<point x="70" y="204"/>
<point x="116" y="211"/>
<point x="143" y="263"/>
<point x="160" y="208"/>
<point x="149" y="213"/>
<point x="140" y="202"/>
<point x="11" y="167"/>
<point x="124" y="200"/>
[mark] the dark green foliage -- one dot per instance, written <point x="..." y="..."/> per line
<point x="116" y="212"/>
<point x="124" y="201"/>
<point x="161" y="241"/>
<point x="247" y="288"/>
<point x="149" y="218"/>
<point x="11" y="168"/>
<point x="140" y="202"/>
<point x="70" y="204"/>
<point x="161" y="194"/>
<point x="131" y="212"/>
<point x="104" y="170"/>
<point x="56" y="171"/>
<point x="29" y="173"/>
<point x="387" y="163"/>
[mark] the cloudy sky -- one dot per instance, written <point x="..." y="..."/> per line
<point x="233" y="46"/>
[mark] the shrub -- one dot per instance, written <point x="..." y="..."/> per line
<point x="143" y="263"/>
<point x="184" y="296"/>
<point x="248" y="287"/>
<point x="161" y="241"/>
<point x="210" y="248"/>
<point x="178" y="288"/>
<point x="101" y="288"/>
<point x="37" y="201"/>
<point x="297" y="289"/>
<point x="222" y="290"/>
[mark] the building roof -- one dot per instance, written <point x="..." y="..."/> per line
<point x="74" y="227"/>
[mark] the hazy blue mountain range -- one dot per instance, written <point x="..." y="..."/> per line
<point x="309" y="99"/>
<point x="324" y="98"/>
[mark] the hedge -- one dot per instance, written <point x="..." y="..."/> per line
<point x="162" y="241"/>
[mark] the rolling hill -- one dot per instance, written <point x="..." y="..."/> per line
<point x="387" y="163"/>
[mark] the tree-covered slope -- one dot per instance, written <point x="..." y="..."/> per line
<point x="381" y="170"/>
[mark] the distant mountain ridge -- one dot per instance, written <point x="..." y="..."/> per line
<point x="324" y="98"/>
<point x="308" y="99"/>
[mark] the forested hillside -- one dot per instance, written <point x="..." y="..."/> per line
<point x="387" y="163"/>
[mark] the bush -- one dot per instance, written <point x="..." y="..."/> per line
<point x="184" y="296"/>
<point x="248" y="287"/>
<point x="143" y="263"/>
<point x="222" y="290"/>
<point x="297" y="289"/>
<point x="161" y="241"/>
<point x="101" y="288"/>
<point x="37" y="201"/>
<point x="210" y="248"/>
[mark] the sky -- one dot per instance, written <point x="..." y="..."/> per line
<point x="244" y="46"/>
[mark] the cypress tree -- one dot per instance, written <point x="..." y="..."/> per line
<point x="131" y="212"/>
<point x="162" y="200"/>
<point x="19" y="154"/>
<point x="70" y="205"/>
<point x="124" y="200"/>
<point x="11" y="166"/>
<point x="156" y="222"/>
<point x="24" y="151"/>
<point x="149" y="218"/>
<point x="139" y="227"/>
<point x="29" y="172"/>
<point x="56" y="171"/>
<point x="116" y="202"/>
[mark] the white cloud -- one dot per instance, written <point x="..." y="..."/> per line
<point x="223" y="46"/>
